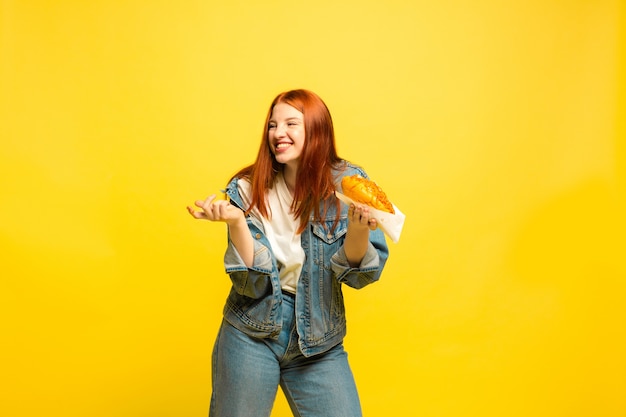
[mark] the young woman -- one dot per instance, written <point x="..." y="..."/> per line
<point x="291" y="246"/>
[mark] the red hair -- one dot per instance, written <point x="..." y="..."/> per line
<point x="314" y="181"/>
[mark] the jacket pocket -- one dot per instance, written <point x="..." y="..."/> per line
<point x="325" y="232"/>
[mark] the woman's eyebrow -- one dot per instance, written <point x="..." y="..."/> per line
<point x="289" y="119"/>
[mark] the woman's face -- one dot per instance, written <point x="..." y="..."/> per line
<point x="286" y="134"/>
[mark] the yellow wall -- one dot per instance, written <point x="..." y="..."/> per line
<point x="493" y="125"/>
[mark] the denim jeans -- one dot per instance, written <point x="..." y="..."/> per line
<point x="247" y="372"/>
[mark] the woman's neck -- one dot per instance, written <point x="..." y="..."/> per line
<point x="289" y="174"/>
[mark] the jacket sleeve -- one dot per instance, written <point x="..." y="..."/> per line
<point x="253" y="282"/>
<point x="371" y="266"/>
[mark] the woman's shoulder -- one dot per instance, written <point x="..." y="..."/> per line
<point x="236" y="181"/>
<point x="347" y="168"/>
<point x="232" y="185"/>
<point x="238" y="190"/>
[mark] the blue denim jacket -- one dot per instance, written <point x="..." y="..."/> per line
<point x="254" y="302"/>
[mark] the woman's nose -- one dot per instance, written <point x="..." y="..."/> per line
<point x="279" y="131"/>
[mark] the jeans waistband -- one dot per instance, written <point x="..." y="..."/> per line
<point x="289" y="294"/>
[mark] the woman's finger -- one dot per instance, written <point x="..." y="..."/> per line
<point x="196" y="214"/>
<point x="206" y="207"/>
<point x="206" y="204"/>
<point x="223" y="208"/>
<point x="365" y="215"/>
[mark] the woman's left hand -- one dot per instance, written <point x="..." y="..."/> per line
<point x="359" y="217"/>
<point x="357" y="237"/>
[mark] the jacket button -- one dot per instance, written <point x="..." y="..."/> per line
<point x="258" y="235"/>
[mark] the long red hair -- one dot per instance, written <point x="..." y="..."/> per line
<point x="314" y="181"/>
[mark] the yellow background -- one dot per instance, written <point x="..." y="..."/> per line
<point x="497" y="128"/>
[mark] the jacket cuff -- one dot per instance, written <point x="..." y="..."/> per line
<point x="262" y="261"/>
<point x="339" y="261"/>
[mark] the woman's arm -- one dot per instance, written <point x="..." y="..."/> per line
<point x="357" y="235"/>
<point x="242" y="239"/>
<point x="223" y="211"/>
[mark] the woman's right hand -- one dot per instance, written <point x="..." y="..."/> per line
<point x="222" y="211"/>
<point x="216" y="211"/>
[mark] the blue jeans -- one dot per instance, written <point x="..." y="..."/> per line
<point x="247" y="372"/>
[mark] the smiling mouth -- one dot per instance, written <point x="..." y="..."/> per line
<point x="282" y="146"/>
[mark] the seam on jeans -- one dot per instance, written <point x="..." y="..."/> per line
<point x="290" y="400"/>
<point x="291" y="342"/>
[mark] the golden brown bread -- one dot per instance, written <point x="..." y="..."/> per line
<point x="366" y="192"/>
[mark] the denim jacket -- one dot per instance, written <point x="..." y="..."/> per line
<point x="255" y="299"/>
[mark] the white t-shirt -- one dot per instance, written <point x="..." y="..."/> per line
<point x="280" y="230"/>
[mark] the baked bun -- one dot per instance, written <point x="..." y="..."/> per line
<point x="366" y="192"/>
